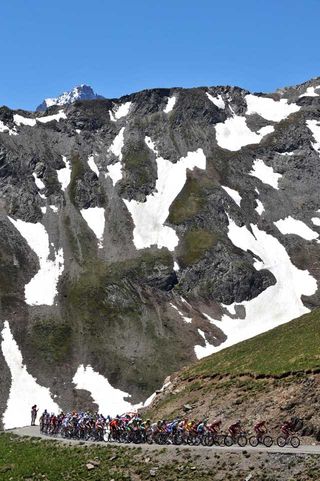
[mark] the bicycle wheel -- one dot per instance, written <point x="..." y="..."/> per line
<point x="281" y="441"/>
<point x="197" y="440"/>
<point x="242" y="440"/>
<point x="177" y="439"/>
<point x="253" y="441"/>
<point x="268" y="441"/>
<point x="295" y="442"/>
<point x="209" y="440"/>
<point x="228" y="441"/>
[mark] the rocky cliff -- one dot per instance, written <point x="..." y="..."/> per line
<point x="140" y="233"/>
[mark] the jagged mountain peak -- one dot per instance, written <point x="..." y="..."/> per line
<point x="80" y="92"/>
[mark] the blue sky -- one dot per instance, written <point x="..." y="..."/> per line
<point x="118" y="47"/>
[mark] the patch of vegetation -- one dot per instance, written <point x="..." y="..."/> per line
<point x="188" y="203"/>
<point x="291" y="347"/>
<point x="138" y="165"/>
<point x="51" y="340"/>
<point x="78" y="171"/>
<point x="194" y="245"/>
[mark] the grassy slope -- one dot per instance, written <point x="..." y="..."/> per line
<point x="30" y="459"/>
<point x="288" y="348"/>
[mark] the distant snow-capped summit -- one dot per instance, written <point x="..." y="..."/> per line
<point x="82" y="92"/>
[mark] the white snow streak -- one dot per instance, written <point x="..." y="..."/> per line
<point x="38" y="181"/>
<point x="151" y="144"/>
<point x="234" y="133"/>
<point x="170" y="104"/>
<point x="24" y="390"/>
<point x="64" y="175"/>
<point x="266" y="174"/>
<point x="289" y="225"/>
<point x="20" y="120"/>
<point x="115" y="170"/>
<point x="188" y="320"/>
<point x="314" y="126"/>
<point x="260" y="209"/>
<point x="203" y="351"/>
<point x="149" y="216"/>
<point x="109" y="399"/>
<point x="42" y="288"/>
<point x="93" y="165"/>
<point x="176" y="267"/>
<point x="94" y="217"/>
<point x="217" y="101"/>
<point x="270" y="109"/>
<point x="277" y="304"/>
<point x="234" y="194"/>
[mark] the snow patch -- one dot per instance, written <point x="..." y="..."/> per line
<point x="234" y="194"/>
<point x="115" y="170"/>
<point x="283" y="300"/>
<point x="121" y="111"/>
<point x="314" y="126"/>
<point x="266" y="174"/>
<point x="93" y="165"/>
<point x="310" y="92"/>
<point x="54" y="208"/>
<point x="316" y="221"/>
<point x="203" y="351"/>
<point x="170" y="104"/>
<point x="38" y="181"/>
<point x="260" y="208"/>
<point x="289" y="225"/>
<point x="24" y="390"/>
<point x="43" y="210"/>
<point x="217" y="101"/>
<point x="109" y="399"/>
<point x="234" y="133"/>
<point x="176" y="267"/>
<point x="20" y="120"/>
<point x="64" y="175"/>
<point x="94" y="217"/>
<point x="6" y="129"/>
<point x="42" y="288"/>
<point x="149" y="216"/>
<point x="270" y="109"/>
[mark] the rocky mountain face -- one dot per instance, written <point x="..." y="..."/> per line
<point x="140" y="233"/>
<point x="82" y="92"/>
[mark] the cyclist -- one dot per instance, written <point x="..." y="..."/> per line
<point x="215" y="426"/>
<point x="260" y="429"/>
<point x="235" y="428"/>
<point x="286" y="429"/>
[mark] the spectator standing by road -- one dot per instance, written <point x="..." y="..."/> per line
<point x="34" y="412"/>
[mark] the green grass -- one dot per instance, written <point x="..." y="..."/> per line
<point x="194" y="246"/>
<point x="292" y="347"/>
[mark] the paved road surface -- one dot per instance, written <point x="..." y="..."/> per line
<point x="303" y="449"/>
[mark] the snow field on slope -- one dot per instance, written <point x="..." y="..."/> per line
<point x="115" y="170"/>
<point x="310" y="92"/>
<point x="270" y="109"/>
<point x="277" y="304"/>
<point x="42" y="288"/>
<point x="109" y="399"/>
<point x="289" y="225"/>
<point x="217" y="101"/>
<point x="94" y="217"/>
<point x="149" y="216"/>
<point x="121" y="111"/>
<point x="24" y="391"/>
<point x="38" y="181"/>
<point x="64" y="174"/>
<point x="266" y="174"/>
<point x="93" y="165"/>
<point x="234" y="194"/>
<point x="170" y="104"/>
<point x="20" y="120"/>
<point x="314" y="126"/>
<point x="234" y="133"/>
